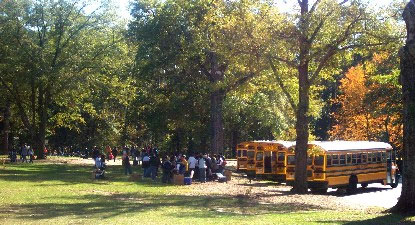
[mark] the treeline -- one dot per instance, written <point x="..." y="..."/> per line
<point x="198" y="75"/>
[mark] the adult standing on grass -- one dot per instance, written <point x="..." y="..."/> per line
<point x="202" y="168"/>
<point x="126" y="163"/>
<point x="167" y="168"/>
<point x="114" y="152"/>
<point x="154" y="165"/>
<point x="146" y="165"/>
<point x="24" y="153"/>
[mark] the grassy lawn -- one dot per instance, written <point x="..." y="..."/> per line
<point x="59" y="193"/>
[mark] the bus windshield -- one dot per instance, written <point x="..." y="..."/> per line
<point x="259" y="156"/>
<point x="251" y="154"/>
<point x="319" y="160"/>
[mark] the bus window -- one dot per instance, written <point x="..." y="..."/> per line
<point x="378" y="157"/>
<point x="342" y="160"/>
<point x="354" y="158"/>
<point x="274" y="156"/>
<point x="244" y="153"/>
<point x="319" y="160"/>
<point x="349" y="159"/>
<point x="328" y="160"/>
<point x="291" y="160"/>
<point x="359" y="158"/>
<point x="251" y="154"/>
<point x="389" y="154"/>
<point x="259" y="156"/>
<point x="369" y="157"/>
<point x="383" y="156"/>
<point x="239" y="153"/>
<point x="364" y="158"/>
<point x="335" y="159"/>
<point x="281" y="156"/>
<point x="372" y="158"/>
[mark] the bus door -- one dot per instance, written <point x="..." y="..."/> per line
<point x="290" y="166"/>
<point x="250" y="168"/>
<point x="268" y="162"/>
<point x="241" y="157"/>
<point x="281" y="163"/>
<point x="274" y="162"/>
<point x="318" y="168"/>
<point x="259" y="160"/>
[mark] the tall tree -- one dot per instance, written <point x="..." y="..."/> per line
<point x="218" y="43"/>
<point x="51" y="51"/>
<point x="406" y="203"/>
<point x="318" y="35"/>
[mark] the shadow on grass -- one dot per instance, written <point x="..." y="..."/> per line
<point x="66" y="173"/>
<point x="386" y="219"/>
<point x="107" y="205"/>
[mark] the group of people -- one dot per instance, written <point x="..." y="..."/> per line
<point x="202" y="167"/>
<point x="26" y="153"/>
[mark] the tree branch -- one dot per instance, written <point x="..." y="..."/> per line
<point x="281" y="84"/>
<point x="240" y="82"/>
<point x="333" y="48"/>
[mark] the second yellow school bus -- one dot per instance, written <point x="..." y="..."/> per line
<point x="344" y="164"/>
<point x="242" y="156"/>
<point x="270" y="160"/>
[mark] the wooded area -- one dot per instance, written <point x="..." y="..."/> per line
<point x="199" y="75"/>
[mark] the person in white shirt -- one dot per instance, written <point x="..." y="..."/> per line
<point x="192" y="165"/>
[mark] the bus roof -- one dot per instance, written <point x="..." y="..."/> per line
<point x="285" y="144"/>
<point x="351" y="145"/>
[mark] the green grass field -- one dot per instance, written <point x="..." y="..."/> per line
<point x="50" y="193"/>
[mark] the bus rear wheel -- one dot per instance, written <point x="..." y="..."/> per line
<point x="351" y="188"/>
<point x="364" y="185"/>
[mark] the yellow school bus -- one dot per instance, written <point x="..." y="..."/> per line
<point x="270" y="160"/>
<point x="241" y="156"/>
<point x="344" y="164"/>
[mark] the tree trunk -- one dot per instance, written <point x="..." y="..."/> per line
<point x="6" y="128"/>
<point x="406" y="203"/>
<point x="43" y="99"/>
<point x="300" y="182"/>
<point x="216" y="118"/>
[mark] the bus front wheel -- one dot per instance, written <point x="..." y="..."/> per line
<point x="321" y="190"/>
<point x="351" y="188"/>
